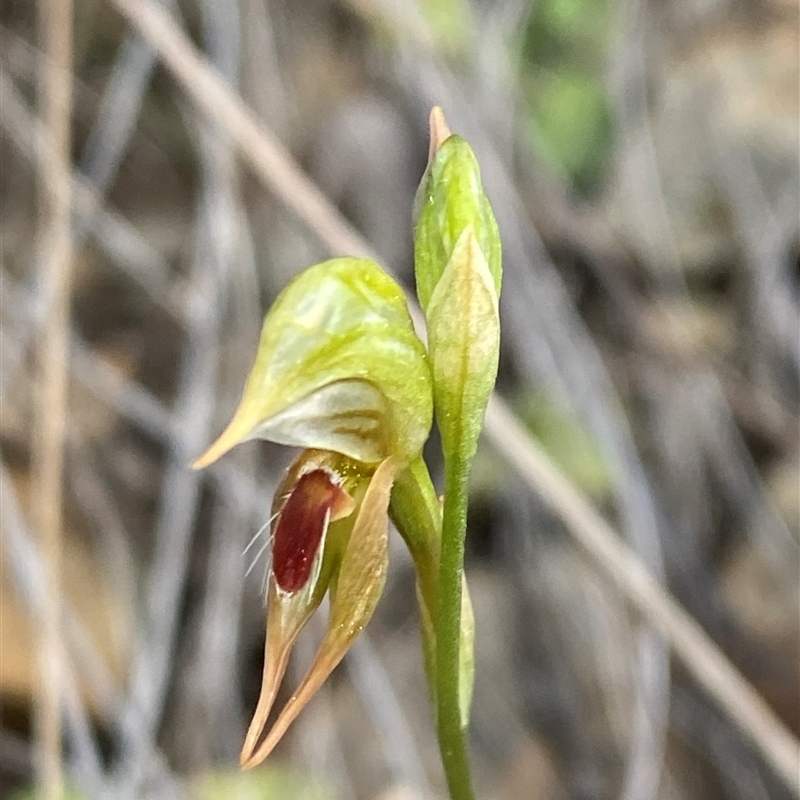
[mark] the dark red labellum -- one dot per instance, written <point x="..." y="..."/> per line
<point x="301" y="525"/>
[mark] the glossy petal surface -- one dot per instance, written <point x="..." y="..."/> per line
<point x="301" y="524"/>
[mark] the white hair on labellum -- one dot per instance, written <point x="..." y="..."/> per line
<point x="258" y="556"/>
<point x="263" y="547"/>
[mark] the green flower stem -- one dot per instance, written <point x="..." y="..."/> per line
<point x="417" y="514"/>
<point x="452" y="735"/>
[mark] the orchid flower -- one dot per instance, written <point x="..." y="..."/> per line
<point x="339" y="367"/>
<point x="339" y="371"/>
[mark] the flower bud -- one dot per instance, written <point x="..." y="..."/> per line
<point x="458" y="269"/>
<point x="449" y="200"/>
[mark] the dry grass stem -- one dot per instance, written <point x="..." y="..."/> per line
<point x="56" y="238"/>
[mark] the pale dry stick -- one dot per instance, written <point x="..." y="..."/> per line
<point x="212" y="706"/>
<point x="119" y="239"/>
<point x="262" y="82"/>
<point x="699" y="725"/>
<point x="765" y="240"/>
<point x="92" y="494"/>
<point x="180" y="493"/>
<point x="386" y="711"/>
<point x="55" y="23"/>
<point x="648" y="740"/>
<point x="121" y="242"/>
<point x="648" y="205"/>
<point x="128" y="250"/>
<point x="754" y="218"/>
<point x="320" y="749"/>
<point x="706" y="661"/>
<point x="192" y="416"/>
<point x="149" y="414"/>
<point x="131" y="401"/>
<point x="118" y="112"/>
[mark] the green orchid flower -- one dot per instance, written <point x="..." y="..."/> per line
<point x="339" y="371"/>
<point x="341" y="374"/>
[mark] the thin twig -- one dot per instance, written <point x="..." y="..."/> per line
<point x="118" y="112"/>
<point x="210" y="704"/>
<point x="133" y="402"/>
<point x="385" y="709"/>
<point x="123" y="243"/>
<point x="174" y="528"/>
<point x="120" y="240"/>
<point x="279" y="172"/>
<point x="56" y="99"/>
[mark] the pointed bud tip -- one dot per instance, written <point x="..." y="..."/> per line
<point x="247" y="760"/>
<point x="439" y="131"/>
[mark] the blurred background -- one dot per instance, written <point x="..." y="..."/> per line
<point x="642" y="159"/>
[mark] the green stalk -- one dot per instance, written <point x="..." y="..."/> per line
<point x="452" y="736"/>
<point x="418" y="516"/>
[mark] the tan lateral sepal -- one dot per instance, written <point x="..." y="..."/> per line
<point x="286" y="617"/>
<point x="358" y="587"/>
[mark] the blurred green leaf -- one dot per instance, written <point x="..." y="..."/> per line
<point x="564" y="52"/>
<point x="571" y="124"/>
<point x="571" y="34"/>
<point x="265" y="783"/>
<point x="567" y="443"/>
<point x="449" y="23"/>
<point x="30" y="793"/>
